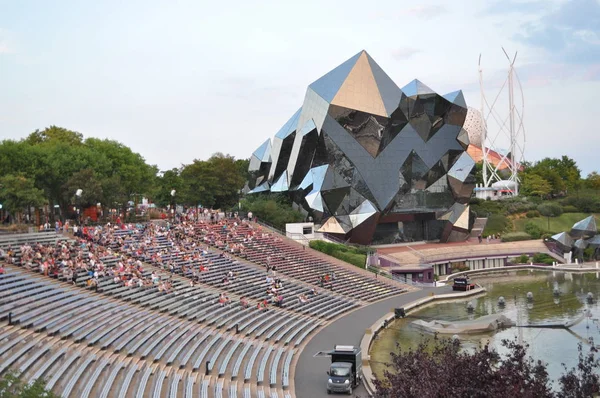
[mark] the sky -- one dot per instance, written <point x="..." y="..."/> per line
<point x="181" y="80"/>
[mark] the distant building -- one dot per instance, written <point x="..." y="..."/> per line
<point x="372" y="162"/>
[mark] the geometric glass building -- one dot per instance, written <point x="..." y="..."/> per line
<point x="373" y="163"/>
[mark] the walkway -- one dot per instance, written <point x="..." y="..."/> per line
<point x="433" y="252"/>
<point x="310" y="377"/>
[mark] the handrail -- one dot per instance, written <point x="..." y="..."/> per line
<point x="267" y="225"/>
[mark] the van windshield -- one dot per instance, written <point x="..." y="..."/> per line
<point x="340" y="372"/>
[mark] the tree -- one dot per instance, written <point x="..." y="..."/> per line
<point x="18" y="193"/>
<point x="550" y="209"/>
<point x="55" y="134"/>
<point x="593" y="180"/>
<point x="535" y="185"/>
<point x="87" y="181"/>
<point x="430" y="372"/>
<point x="11" y="386"/>
<point x="165" y="183"/>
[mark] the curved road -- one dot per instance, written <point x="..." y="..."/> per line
<point x="310" y="377"/>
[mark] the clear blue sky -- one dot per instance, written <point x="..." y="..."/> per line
<point x="178" y="80"/>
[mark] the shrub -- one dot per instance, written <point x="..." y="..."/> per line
<point x="570" y="209"/>
<point x="550" y="209"/>
<point x="533" y="214"/>
<point x="515" y="236"/>
<point x="350" y="254"/>
<point x="542" y="258"/>
<point x="534" y="230"/>
<point x="522" y="259"/>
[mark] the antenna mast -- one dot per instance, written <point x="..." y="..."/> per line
<point x="498" y="130"/>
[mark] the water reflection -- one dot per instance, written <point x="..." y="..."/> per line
<point x="558" y="297"/>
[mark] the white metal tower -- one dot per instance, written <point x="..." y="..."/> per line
<point x="503" y="133"/>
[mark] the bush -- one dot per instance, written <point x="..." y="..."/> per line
<point x="515" y="236"/>
<point x="522" y="259"/>
<point x="570" y="209"/>
<point x="533" y="214"/>
<point x="550" y="209"/>
<point x="350" y="254"/>
<point x="496" y="224"/>
<point x="534" y="230"/>
<point x="542" y="258"/>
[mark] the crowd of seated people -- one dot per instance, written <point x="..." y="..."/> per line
<point x="69" y="260"/>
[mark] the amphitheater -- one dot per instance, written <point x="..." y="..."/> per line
<point x="121" y="341"/>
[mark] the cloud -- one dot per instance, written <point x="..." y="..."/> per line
<point x="569" y="34"/>
<point x="513" y="6"/>
<point x="405" y="52"/>
<point x="424" y="12"/>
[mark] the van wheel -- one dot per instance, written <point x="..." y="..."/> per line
<point x="328" y="392"/>
<point x="350" y="391"/>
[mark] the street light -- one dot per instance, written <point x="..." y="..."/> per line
<point x="173" y="203"/>
<point x="78" y="194"/>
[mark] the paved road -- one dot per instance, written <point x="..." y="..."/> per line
<point x="310" y="377"/>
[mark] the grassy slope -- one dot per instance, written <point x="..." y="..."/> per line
<point x="564" y="222"/>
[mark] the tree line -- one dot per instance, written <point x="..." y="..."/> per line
<point x="49" y="166"/>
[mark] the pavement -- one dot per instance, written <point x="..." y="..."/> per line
<point x="310" y="375"/>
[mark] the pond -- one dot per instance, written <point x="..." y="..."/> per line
<point x="553" y="346"/>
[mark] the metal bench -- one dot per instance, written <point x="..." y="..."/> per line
<point x="215" y="355"/>
<point x="240" y="358"/>
<point x="274" y="365"/>
<point x="202" y="354"/>
<point x="219" y="389"/>
<point x="190" y="351"/>
<point x="47" y="364"/>
<point x="285" y="376"/>
<point x="233" y="390"/>
<point x="223" y="367"/>
<point x="33" y="357"/>
<point x="174" y="339"/>
<point x="143" y="381"/>
<point x="111" y="378"/>
<point x="104" y="362"/>
<point x="250" y="364"/>
<point x="189" y="385"/>
<point x="204" y="388"/>
<point x="158" y="383"/>
<point x="247" y="392"/>
<point x="80" y="369"/>
<point x="306" y="333"/>
<point x="127" y="381"/>
<point x="175" y="379"/>
<point x="5" y="364"/>
<point x="263" y="364"/>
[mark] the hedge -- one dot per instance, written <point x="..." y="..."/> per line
<point x="350" y="254"/>
<point x="515" y="236"/>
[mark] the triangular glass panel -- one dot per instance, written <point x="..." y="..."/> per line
<point x="290" y="126"/>
<point x="456" y="97"/>
<point x="367" y="129"/>
<point x="463" y="138"/>
<point x="281" y="184"/>
<point x="333" y="198"/>
<point x="462" y="167"/>
<point x="389" y="91"/>
<point x="264" y="187"/>
<point x="328" y="85"/>
<point x="416" y="87"/>
<point x="333" y="180"/>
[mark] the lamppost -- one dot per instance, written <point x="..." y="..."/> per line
<point x="78" y="194"/>
<point x="173" y="204"/>
<point x="549" y="215"/>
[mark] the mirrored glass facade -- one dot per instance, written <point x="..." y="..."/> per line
<point x="372" y="162"/>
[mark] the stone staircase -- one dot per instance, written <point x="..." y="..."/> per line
<point x="478" y="227"/>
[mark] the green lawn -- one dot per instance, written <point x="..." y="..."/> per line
<point x="564" y="222"/>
